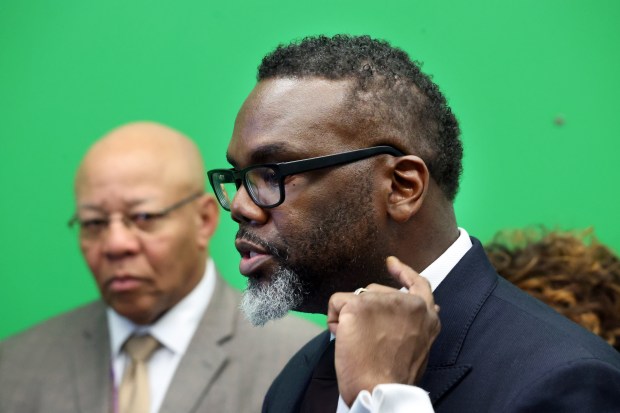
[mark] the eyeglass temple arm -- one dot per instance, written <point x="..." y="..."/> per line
<point x="293" y="167"/>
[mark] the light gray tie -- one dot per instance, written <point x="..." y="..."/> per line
<point x="133" y="393"/>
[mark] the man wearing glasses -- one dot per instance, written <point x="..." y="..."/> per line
<point x="345" y="165"/>
<point x="168" y="335"/>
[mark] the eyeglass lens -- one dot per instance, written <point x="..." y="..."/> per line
<point x="262" y="183"/>
<point x="95" y="227"/>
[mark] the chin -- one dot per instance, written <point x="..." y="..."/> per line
<point x="271" y="298"/>
<point x="139" y="316"/>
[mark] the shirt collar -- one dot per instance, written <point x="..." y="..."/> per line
<point x="175" y="329"/>
<point x="439" y="269"/>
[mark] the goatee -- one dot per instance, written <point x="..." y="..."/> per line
<point x="263" y="301"/>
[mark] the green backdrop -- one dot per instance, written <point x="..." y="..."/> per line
<point x="534" y="83"/>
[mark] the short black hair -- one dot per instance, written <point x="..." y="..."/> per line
<point x="391" y="96"/>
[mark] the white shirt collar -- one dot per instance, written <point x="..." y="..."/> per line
<point x="175" y="329"/>
<point x="439" y="269"/>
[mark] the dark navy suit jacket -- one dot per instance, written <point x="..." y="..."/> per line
<point x="499" y="350"/>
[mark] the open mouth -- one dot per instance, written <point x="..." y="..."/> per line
<point x="253" y="257"/>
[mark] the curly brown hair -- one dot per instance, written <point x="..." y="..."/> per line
<point x="570" y="271"/>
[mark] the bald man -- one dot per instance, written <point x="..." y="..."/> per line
<point x="144" y="230"/>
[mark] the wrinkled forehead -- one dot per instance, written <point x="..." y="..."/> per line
<point x="124" y="177"/>
<point x="290" y="116"/>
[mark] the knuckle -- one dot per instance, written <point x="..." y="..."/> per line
<point x="416" y="302"/>
<point x="422" y="279"/>
<point x="334" y="298"/>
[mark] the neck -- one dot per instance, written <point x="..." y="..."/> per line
<point x="430" y="234"/>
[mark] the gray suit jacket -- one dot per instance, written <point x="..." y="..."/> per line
<point x="63" y="365"/>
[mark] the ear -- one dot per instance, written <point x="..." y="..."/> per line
<point x="410" y="181"/>
<point x="207" y="219"/>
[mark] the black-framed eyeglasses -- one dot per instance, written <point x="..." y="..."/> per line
<point x="265" y="183"/>
<point x="144" y="221"/>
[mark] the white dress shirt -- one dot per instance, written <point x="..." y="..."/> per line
<point x="401" y="398"/>
<point x="174" y="330"/>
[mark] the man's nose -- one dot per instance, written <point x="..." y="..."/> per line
<point x="244" y="210"/>
<point x="120" y="240"/>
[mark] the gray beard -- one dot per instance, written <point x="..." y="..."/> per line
<point x="262" y="301"/>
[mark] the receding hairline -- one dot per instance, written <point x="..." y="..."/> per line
<point x="358" y="105"/>
<point x="162" y="142"/>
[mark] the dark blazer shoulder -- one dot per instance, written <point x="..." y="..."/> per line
<point x="285" y="392"/>
<point x="491" y="329"/>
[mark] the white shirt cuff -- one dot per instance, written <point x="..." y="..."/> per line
<point x="389" y="398"/>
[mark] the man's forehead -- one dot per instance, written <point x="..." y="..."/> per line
<point x="105" y="204"/>
<point x="277" y="102"/>
<point x="275" y="89"/>
<point x="265" y="153"/>
<point x="281" y="116"/>
<point x="127" y="185"/>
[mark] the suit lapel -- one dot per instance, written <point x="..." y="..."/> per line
<point x="91" y="363"/>
<point x="305" y="371"/>
<point x="205" y="357"/>
<point x="288" y="389"/>
<point x="460" y="296"/>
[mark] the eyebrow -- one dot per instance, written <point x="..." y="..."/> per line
<point x="267" y="154"/>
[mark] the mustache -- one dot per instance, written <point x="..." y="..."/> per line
<point x="245" y="234"/>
